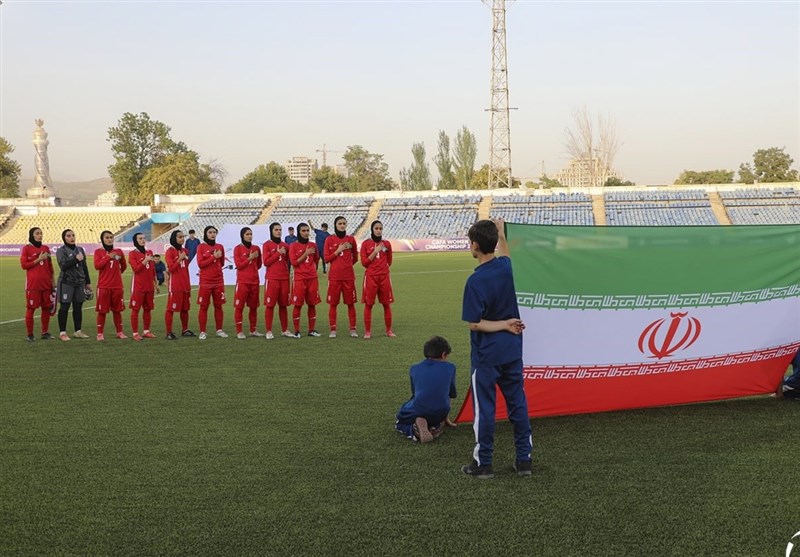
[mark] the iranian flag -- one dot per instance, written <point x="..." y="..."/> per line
<point x="630" y="317"/>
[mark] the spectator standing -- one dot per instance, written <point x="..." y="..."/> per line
<point x="290" y="238"/>
<point x="320" y="235"/>
<point x="191" y="245"/>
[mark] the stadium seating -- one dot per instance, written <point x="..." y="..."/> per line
<point x="322" y="209"/>
<point x="445" y="216"/>
<point x="762" y="205"/>
<point x="218" y="213"/>
<point x="557" y="209"/>
<point x="87" y="226"/>
<point x="659" y="208"/>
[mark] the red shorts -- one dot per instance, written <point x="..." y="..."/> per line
<point x="110" y="299"/>
<point x="142" y="300"/>
<point x="208" y="294"/>
<point x="178" y="301"/>
<point x="347" y="289"/>
<point x="38" y="299"/>
<point x="377" y="285"/>
<point x="305" y="291"/>
<point x="246" y="295"/>
<point x="276" y="292"/>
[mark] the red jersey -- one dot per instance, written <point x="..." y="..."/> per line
<point x="110" y="269"/>
<point x="144" y="273"/>
<point x="341" y="264"/>
<point x="38" y="274"/>
<point x="246" y="269"/>
<point x="178" y="270"/>
<point x="210" y="266"/>
<point x="277" y="263"/>
<point x="307" y="268"/>
<point x="381" y="262"/>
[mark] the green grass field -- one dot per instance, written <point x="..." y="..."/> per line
<point x="286" y="447"/>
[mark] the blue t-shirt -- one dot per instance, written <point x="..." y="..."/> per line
<point x="319" y="238"/>
<point x="489" y="294"/>
<point x="290" y="239"/>
<point x="433" y="384"/>
<point x="191" y="246"/>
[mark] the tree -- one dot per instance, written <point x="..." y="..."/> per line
<point x="419" y="175"/>
<point x="550" y="182"/>
<point x="367" y="171"/>
<point x="480" y="179"/>
<point x="270" y="177"/>
<point x="769" y="165"/>
<point x="444" y="163"/>
<point x="464" y="152"/>
<point x="138" y="144"/>
<point x="327" y="179"/>
<point x="615" y="182"/>
<point x="592" y="146"/>
<point x="705" y="177"/>
<point x="179" y="173"/>
<point x="9" y="170"/>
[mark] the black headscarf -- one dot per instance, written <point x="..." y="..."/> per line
<point x="105" y="247"/>
<point x="372" y="235"/>
<point x="136" y="244"/>
<point x="205" y="235"/>
<point x="300" y="236"/>
<point x="241" y="235"/>
<point x="336" y="230"/>
<point x="73" y="246"/>
<point x="172" y="240"/>
<point x="272" y="236"/>
<point x="33" y="242"/>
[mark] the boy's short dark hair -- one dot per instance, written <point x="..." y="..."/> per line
<point x="157" y="255"/>
<point x="436" y="347"/>
<point x="484" y="233"/>
<point x="191" y="231"/>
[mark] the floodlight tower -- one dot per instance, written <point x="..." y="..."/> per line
<point x="500" y="125"/>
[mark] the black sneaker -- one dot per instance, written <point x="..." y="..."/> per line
<point x="171" y="336"/>
<point x="523" y="468"/>
<point x="47" y="336"/>
<point x="30" y="338"/>
<point x="314" y="333"/>
<point x="187" y="333"/>
<point x="480" y="472"/>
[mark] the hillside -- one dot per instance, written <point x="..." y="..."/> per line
<point x="75" y="193"/>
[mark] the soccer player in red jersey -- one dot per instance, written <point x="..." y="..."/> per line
<point x="304" y="258"/>
<point x="247" y="259"/>
<point x="276" y="286"/>
<point x="211" y="259"/>
<point x="110" y="262"/>
<point x="177" y="260"/>
<point x="376" y="257"/>
<point x="341" y="252"/>
<point x="35" y="260"/>
<point x="143" y="286"/>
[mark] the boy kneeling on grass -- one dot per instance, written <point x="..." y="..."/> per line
<point x="433" y="383"/>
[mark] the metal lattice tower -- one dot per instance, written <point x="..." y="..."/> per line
<point x="500" y="126"/>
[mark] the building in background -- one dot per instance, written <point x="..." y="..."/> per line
<point x="585" y="173"/>
<point x="300" y="169"/>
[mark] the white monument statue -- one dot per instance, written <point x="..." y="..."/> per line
<point x="42" y="185"/>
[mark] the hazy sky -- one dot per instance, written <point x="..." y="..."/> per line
<point x="691" y="85"/>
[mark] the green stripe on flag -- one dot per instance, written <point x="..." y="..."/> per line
<point x="603" y="266"/>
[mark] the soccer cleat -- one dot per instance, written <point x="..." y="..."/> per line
<point x="137" y="336"/>
<point x="171" y="336"/>
<point x="390" y="333"/>
<point x="332" y="334"/>
<point x="421" y="430"/>
<point x="296" y="334"/>
<point x="187" y="333"/>
<point x="46" y="336"/>
<point x="63" y="336"/>
<point x="476" y="471"/>
<point x="203" y="335"/>
<point x="269" y="335"/>
<point x="287" y="334"/>
<point x="30" y="338"/>
<point x="353" y="333"/>
<point x="314" y="333"/>
<point x="121" y="335"/>
<point x="241" y="336"/>
<point x="367" y="335"/>
<point x="523" y="468"/>
<point x="80" y="334"/>
<point x="256" y="334"/>
<point x="221" y="333"/>
<point x="148" y="334"/>
<point x="100" y="337"/>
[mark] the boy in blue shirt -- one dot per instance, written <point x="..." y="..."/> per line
<point x="490" y="309"/>
<point x="433" y="384"/>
